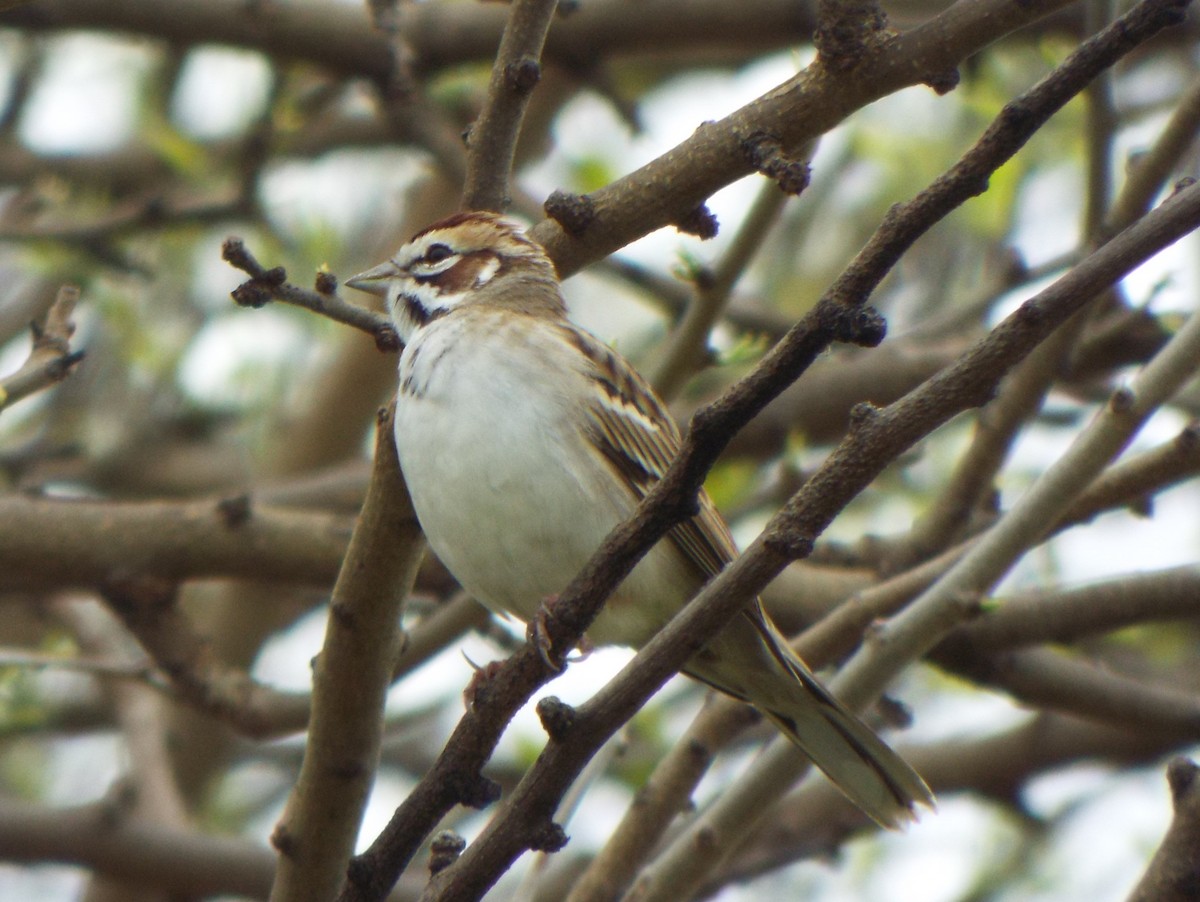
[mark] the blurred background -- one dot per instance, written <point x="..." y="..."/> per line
<point x="133" y="141"/>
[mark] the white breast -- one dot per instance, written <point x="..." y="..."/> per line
<point x="507" y="488"/>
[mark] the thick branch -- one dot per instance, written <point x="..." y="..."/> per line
<point x="668" y="189"/>
<point x="104" y="838"/>
<point x="362" y="646"/>
<point x="492" y="140"/>
<point x="54" y="543"/>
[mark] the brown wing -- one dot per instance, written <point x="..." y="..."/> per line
<point x="639" y="439"/>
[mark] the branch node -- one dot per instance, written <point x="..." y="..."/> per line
<point x="283" y="841"/>
<point x="135" y="597"/>
<point x="359" y="872"/>
<point x="476" y="790"/>
<point x="342" y="614"/>
<point x="235" y="510"/>
<point x="574" y="212"/>
<point x="257" y="291"/>
<point x="765" y="153"/>
<point x="699" y="222"/>
<point x="1122" y="400"/>
<point x="1181" y="774"/>
<point x="943" y="82"/>
<point x="444" y="850"/>
<point x="1182" y="185"/>
<point x="325" y="282"/>
<point x="896" y="714"/>
<point x="523" y="74"/>
<point x="118" y="803"/>
<point x="557" y="717"/>
<point x="1031" y="313"/>
<point x="850" y="31"/>
<point x="387" y="339"/>
<point x="861" y="414"/>
<point x="1189" y="438"/>
<point x="62" y="365"/>
<point x="788" y="543"/>
<point x="251" y="294"/>
<point x="233" y="252"/>
<point x="862" y="326"/>
<point x="1142" y="506"/>
<point x="548" y="837"/>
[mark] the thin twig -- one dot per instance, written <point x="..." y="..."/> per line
<point x="1135" y="481"/>
<point x="267" y="285"/>
<point x="1102" y="122"/>
<point x="51" y="358"/>
<point x="998" y="425"/>
<point x="1069" y="615"/>
<point x="685" y="354"/>
<point x="1152" y="170"/>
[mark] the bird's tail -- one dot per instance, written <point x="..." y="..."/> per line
<point x="750" y="660"/>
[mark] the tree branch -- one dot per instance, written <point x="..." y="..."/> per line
<point x="1174" y="870"/>
<point x="492" y="140"/>
<point x="56" y="543"/>
<point x="350" y="681"/>
<point x="667" y="190"/>
<point x="271" y="285"/>
<point x="51" y="358"/>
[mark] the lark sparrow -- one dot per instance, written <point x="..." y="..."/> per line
<point x="524" y="440"/>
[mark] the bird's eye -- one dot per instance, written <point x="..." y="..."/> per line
<point x="437" y="253"/>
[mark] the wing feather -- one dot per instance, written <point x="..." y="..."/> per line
<point x="639" y="440"/>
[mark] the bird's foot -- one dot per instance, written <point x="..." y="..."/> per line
<point x="584" y="648"/>
<point x="479" y="680"/>
<point x="539" y="634"/>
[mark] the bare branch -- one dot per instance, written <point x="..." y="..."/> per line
<point x="1171" y="876"/>
<point x="668" y="189"/>
<point x="56" y="543"/>
<point x="101" y="836"/>
<point x="148" y="609"/>
<point x="492" y="140"/>
<point x="350" y="681"/>
<point x="51" y="358"/>
<point x="954" y="597"/>
<point x="1151" y="171"/>
<point x="711" y="294"/>
<point x="267" y="285"/>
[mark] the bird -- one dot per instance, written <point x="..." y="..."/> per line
<point x="524" y="440"/>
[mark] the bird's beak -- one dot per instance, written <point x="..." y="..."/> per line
<point x="374" y="281"/>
